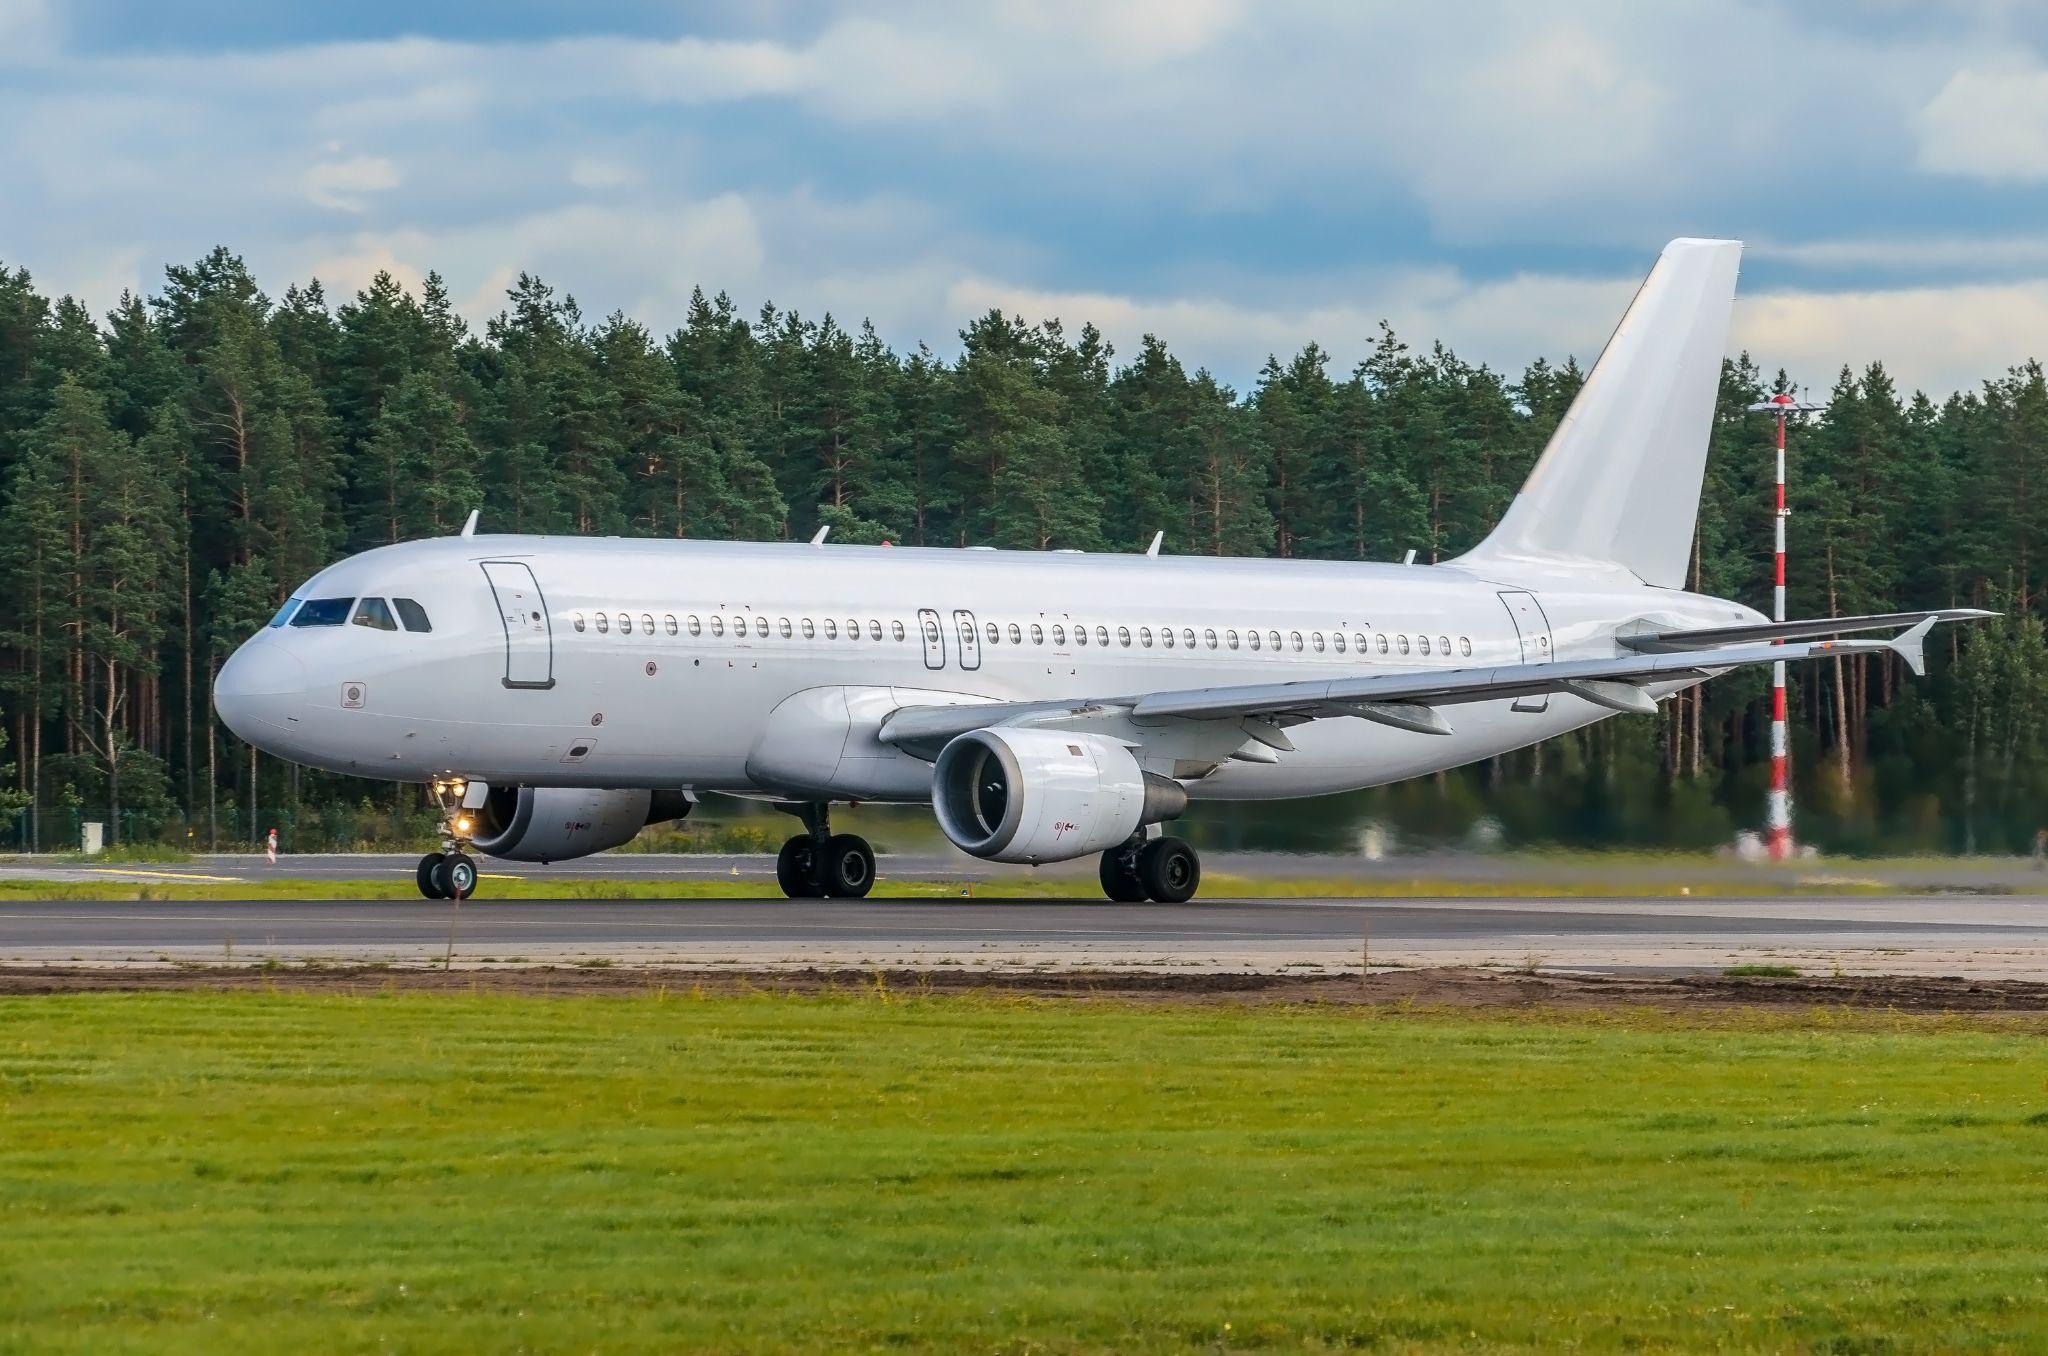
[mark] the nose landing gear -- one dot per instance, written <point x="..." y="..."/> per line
<point x="819" y="863"/>
<point x="450" y="873"/>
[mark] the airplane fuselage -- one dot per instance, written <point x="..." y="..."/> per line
<point x="607" y="662"/>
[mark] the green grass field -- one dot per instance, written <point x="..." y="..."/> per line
<point x="669" y="1171"/>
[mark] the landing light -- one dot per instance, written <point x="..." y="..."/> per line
<point x="464" y="824"/>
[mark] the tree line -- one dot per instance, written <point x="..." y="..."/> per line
<point x="171" y="470"/>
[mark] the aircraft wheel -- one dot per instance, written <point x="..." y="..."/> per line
<point x="1119" y="875"/>
<point x="796" y="868"/>
<point x="429" y="864"/>
<point x="455" y="876"/>
<point x="1169" y="870"/>
<point x="848" y="871"/>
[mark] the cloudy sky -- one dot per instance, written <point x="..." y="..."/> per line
<point x="1237" y="178"/>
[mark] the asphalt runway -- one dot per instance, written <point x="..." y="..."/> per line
<point x="2001" y="936"/>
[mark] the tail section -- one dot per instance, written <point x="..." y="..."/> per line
<point x="1619" y="484"/>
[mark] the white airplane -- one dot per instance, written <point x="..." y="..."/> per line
<point x="559" y="694"/>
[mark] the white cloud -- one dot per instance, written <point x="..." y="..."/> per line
<point x="1989" y="124"/>
<point x="344" y="184"/>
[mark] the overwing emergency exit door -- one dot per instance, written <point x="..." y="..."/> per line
<point x="529" y="638"/>
<point x="970" y="641"/>
<point x="1534" y="630"/>
<point x="934" y="638"/>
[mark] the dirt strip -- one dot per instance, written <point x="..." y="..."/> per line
<point x="1434" y="988"/>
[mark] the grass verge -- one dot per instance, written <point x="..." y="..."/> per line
<point x="1003" y="887"/>
<point x="678" y="1170"/>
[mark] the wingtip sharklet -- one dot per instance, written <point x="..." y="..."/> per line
<point x="1911" y="645"/>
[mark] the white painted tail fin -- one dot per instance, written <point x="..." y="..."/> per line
<point x="1619" y="484"/>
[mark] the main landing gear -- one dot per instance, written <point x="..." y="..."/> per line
<point x="819" y="863"/>
<point x="1166" y="870"/>
<point x="451" y="872"/>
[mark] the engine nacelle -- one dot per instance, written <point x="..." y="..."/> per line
<point x="1026" y="795"/>
<point x="555" y="823"/>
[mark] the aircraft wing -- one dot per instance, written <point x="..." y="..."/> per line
<point x="1408" y="700"/>
<point x="1668" y="641"/>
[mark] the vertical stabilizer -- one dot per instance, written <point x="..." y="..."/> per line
<point x="1619" y="484"/>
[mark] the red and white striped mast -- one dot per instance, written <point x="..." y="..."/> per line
<point x="1778" y="836"/>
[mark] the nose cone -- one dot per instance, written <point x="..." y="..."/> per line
<point x="259" y="691"/>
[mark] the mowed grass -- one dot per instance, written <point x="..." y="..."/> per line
<point x="669" y="1171"/>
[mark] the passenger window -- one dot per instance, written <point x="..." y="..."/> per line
<point x="1315" y="638"/>
<point x="1230" y="639"/>
<point x="647" y="622"/>
<point x="810" y="631"/>
<point x="1336" y="641"/>
<point x="604" y="624"/>
<point x="931" y="633"/>
<point x="831" y="629"/>
<point x="625" y="623"/>
<point x="696" y="627"/>
<point x="1382" y="642"/>
<point x="874" y="629"/>
<point x="1016" y="634"/>
<point x="1145" y="636"/>
<point x="1123" y="636"/>
<point x="1295" y="636"/>
<point x="1102" y="635"/>
<point x="853" y="628"/>
<point x="373" y="613"/>
<point x="1166" y="636"/>
<point x="669" y="621"/>
<point x="323" y="612"/>
<point x="576" y="621"/>
<point x="1422" y="644"/>
<point x="1253" y="637"/>
<point x="415" y="617"/>
<point x="1401" y="644"/>
<point x="761" y="627"/>
<point x="1273" y="639"/>
<point x="1209" y="637"/>
<point x="1187" y="636"/>
<point x="283" y="613"/>
<point x="1059" y="634"/>
<point x="896" y="629"/>
<point x="1444" y="643"/>
<point x="717" y="625"/>
<point x="786" y="629"/>
<point x="1080" y="635"/>
<point x="1465" y="646"/>
<point x="1358" y="639"/>
<point x="1037" y="634"/>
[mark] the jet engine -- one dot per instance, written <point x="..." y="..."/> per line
<point x="554" y="823"/>
<point x="1033" y="795"/>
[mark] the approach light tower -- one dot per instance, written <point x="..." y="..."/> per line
<point x="1778" y="837"/>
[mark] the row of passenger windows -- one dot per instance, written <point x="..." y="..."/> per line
<point x="374" y="613"/>
<point x="1143" y="637"/>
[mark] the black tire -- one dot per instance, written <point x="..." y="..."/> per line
<point x="1169" y="870"/>
<point x="848" y="871"/>
<point x="429" y="887"/>
<point x="796" y="868"/>
<point x="1119" y="875"/>
<point x="455" y="877"/>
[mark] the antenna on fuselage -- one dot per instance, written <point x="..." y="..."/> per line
<point x="1157" y="538"/>
<point x="822" y="533"/>
<point x="1409" y="559"/>
<point x="469" y="527"/>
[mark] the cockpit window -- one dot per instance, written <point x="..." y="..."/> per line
<point x="323" y="612"/>
<point x="415" y="617"/>
<point x="284" y="613"/>
<point x="372" y="612"/>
